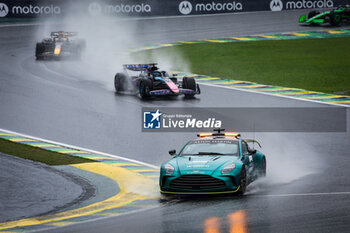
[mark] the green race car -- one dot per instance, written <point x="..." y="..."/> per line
<point x="214" y="163"/>
<point x="333" y="17"/>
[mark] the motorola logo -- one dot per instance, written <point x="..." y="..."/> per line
<point x="4" y="10"/>
<point x="95" y="8"/>
<point x="185" y="7"/>
<point x="276" y="5"/>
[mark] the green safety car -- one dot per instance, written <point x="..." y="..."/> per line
<point x="213" y="163"/>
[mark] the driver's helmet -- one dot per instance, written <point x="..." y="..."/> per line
<point x="61" y="36"/>
<point x="157" y="75"/>
<point x="47" y="40"/>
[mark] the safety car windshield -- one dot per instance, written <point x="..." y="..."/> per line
<point x="211" y="147"/>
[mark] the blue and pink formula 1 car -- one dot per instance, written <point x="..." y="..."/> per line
<point x="148" y="80"/>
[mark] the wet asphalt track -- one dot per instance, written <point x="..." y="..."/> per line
<point x="62" y="101"/>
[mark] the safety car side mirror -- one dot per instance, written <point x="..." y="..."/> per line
<point x="252" y="151"/>
<point x="172" y="152"/>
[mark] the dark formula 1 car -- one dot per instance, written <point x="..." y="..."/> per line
<point x="59" y="45"/>
<point x="214" y="163"/>
<point x="148" y="80"/>
<point x="333" y="17"/>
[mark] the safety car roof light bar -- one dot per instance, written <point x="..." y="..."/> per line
<point x="218" y="130"/>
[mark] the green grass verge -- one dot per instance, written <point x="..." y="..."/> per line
<point x="311" y="64"/>
<point x="38" y="154"/>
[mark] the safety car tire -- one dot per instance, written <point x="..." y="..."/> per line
<point x="243" y="182"/>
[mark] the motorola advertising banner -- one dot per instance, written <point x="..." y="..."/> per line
<point x="95" y="8"/>
<point x="29" y="9"/>
<point x="194" y="7"/>
<point x="60" y="8"/>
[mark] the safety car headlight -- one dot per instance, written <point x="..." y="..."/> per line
<point x="169" y="169"/>
<point x="228" y="168"/>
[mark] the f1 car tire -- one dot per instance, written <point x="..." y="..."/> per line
<point x="189" y="83"/>
<point x="312" y="14"/>
<point x="243" y="182"/>
<point x="39" y="49"/>
<point x="145" y="87"/>
<point x="120" y="82"/>
<point x="334" y="19"/>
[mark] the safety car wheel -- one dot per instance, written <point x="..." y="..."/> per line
<point x="243" y="182"/>
<point x="189" y="83"/>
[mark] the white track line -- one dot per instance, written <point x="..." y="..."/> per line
<point x="81" y="148"/>
<point x="275" y="95"/>
<point x="95" y="219"/>
<point x="301" y="194"/>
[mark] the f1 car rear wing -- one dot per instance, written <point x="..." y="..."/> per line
<point x="54" y="34"/>
<point x="253" y="141"/>
<point x="140" y="67"/>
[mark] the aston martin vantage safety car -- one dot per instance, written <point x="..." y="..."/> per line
<point x="60" y="45"/>
<point x="333" y="17"/>
<point x="213" y="163"/>
<point x="148" y="80"/>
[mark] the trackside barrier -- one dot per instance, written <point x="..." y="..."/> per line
<point x="94" y="8"/>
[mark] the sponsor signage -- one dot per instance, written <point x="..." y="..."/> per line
<point x="95" y="8"/>
<point x="185" y="7"/>
<point x="49" y="8"/>
<point x="29" y="9"/>
<point x="4" y="10"/>
<point x="210" y="7"/>
<point x="195" y="7"/>
<point x="166" y="119"/>
<point x="278" y="5"/>
<point x="177" y="119"/>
